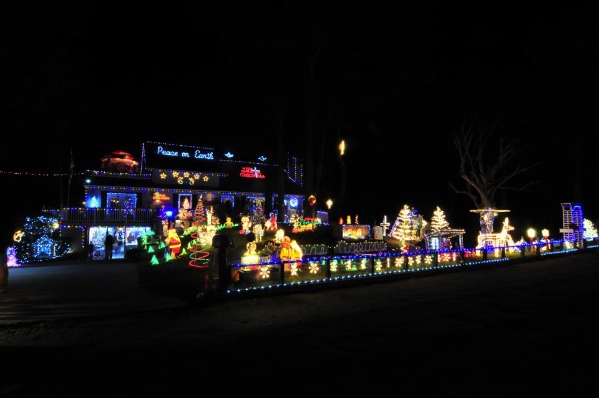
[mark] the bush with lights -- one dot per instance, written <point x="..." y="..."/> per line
<point x="37" y="240"/>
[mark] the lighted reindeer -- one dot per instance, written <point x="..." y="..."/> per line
<point x="501" y="239"/>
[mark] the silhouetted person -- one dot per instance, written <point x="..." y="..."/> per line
<point x="90" y="251"/>
<point x="108" y="242"/>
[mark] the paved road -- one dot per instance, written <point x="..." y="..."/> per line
<point x="513" y="330"/>
<point x="77" y="290"/>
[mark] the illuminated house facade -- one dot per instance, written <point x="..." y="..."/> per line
<point x="127" y="198"/>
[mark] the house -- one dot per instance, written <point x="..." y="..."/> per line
<point x="174" y="179"/>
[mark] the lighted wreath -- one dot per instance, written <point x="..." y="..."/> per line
<point x="311" y="200"/>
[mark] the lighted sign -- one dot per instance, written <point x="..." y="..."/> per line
<point x="355" y="231"/>
<point x="248" y="172"/>
<point x="160" y="196"/>
<point x="198" y="153"/>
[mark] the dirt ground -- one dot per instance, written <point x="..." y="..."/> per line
<point x="511" y="330"/>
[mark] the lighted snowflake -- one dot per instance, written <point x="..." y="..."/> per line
<point x="428" y="260"/>
<point x="445" y="257"/>
<point x="265" y="272"/>
<point x="410" y="261"/>
<point x="398" y="262"/>
<point x="418" y="259"/>
<point x="378" y="265"/>
<point x="314" y="268"/>
<point x="294" y="269"/>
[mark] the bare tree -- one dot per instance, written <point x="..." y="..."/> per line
<point x="486" y="168"/>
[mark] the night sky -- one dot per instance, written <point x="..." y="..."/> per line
<point x="396" y="80"/>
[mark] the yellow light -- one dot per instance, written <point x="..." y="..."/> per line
<point x="342" y="147"/>
<point x="545" y="233"/>
<point x="329" y="204"/>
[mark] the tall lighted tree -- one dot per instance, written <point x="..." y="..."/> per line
<point x="438" y="221"/>
<point x="199" y="214"/>
<point x="198" y="256"/>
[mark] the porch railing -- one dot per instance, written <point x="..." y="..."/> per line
<point x="99" y="215"/>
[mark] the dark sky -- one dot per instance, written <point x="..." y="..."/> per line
<point x="396" y="80"/>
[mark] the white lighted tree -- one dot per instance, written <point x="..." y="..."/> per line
<point x="406" y="228"/>
<point x="438" y="221"/>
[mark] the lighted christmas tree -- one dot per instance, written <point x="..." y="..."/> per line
<point x="404" y="228"/>
<point x="258" y="213"/>
<point x="198" y="256"/>
<point x="200" y="215"/>
<point x="438" y="222"/>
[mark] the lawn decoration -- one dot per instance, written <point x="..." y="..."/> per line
<point x="173" y="243"/>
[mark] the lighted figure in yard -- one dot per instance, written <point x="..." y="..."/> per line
<point x="229" y="223"/>
<point x="501" y="239"/>
<point x="250" y="256"/>
<point x="251" y="249"/>
<point x="259" y="232"/>
<point x="279" y="236"/>
<point x="245" y="225"/>
<point x="271" y="223"/>
<point x="289" y="250"/>
<point x="185" y="217"/>
<point x="173" y="243"/>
